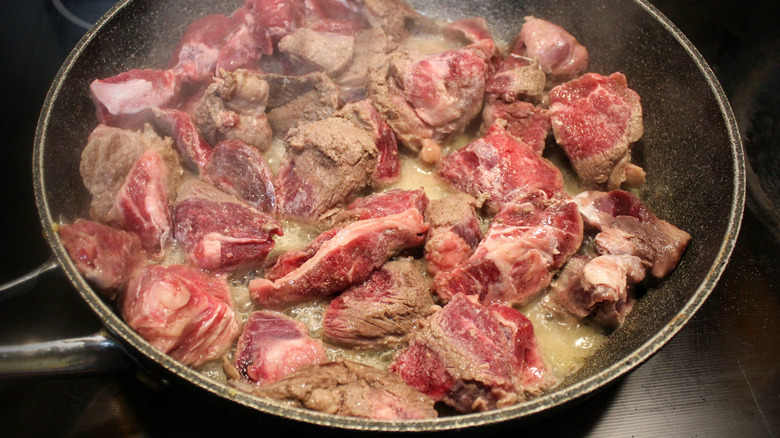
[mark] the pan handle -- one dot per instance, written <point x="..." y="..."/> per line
<point x="99" y="353"/>
<point x="89" y="355"/>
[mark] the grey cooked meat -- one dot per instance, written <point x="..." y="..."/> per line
<point x="454" y="232"/>
<point x="393" y="16"/>
<point x="371" y="49"/>
<point x="107" y="159"/>
<point x="351" y="389"/>
<point x="321" y="51"/>
<point x="233" y="107"/>
<point x="382" y="311"/>
<point x="295" y="100"/>
<point x="325" y="163"/>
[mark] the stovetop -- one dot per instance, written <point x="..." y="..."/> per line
<point x="718" y="377"/>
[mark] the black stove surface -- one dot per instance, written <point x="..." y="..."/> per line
<point x="720" y="376"/>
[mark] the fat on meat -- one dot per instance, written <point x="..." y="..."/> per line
<point x="498" y="167"/>
<point x="596" y="119"/>
<point x="125" y="99"/>
<point x="273" y="345"/>
<point x="527" y="242"/>
<point x="558" y="53"/>
<point x="181" y="311"/>
<point x="347" y="258"/>
<point x="474" y="357"/>
<point x="105" y="256"/>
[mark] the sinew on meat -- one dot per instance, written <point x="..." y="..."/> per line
<point x="338" y="85"/>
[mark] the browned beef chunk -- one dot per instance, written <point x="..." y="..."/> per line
<point x="181" y="311"/>
<point x="297" y="100"/>
<point x="529" y="239"/>
<point x="219" y="232"/>
<point x="350" y="389"/>
<point x="627" y="227"/>
<point x="363" y="115"/>
<point x="327" y="52"/>
<point x="193" y="148"/>
<point x="273" y="345"/>
<point x="474" y="358"/>
<point x="429" y="100"/>
<point x="194" y="59"/>
<point x="380" y="312"/>
<point x="240" y="170"/>
<point x="556" y="50"/>
<point x="105" y="256"/>
<point x="142" y="204"/>
<point x="598" y="286"/>
<point x="325" y="163"/>
<point x="595" y="119"/>
<point x="347" y="258"/>
<point x="499" y="167"/>
<point x="371" y="49"/>
<point x="454" y="232"/>
<point x="383" y="204"/>
<point x="107" y="159"/>
<point x="234" y="107"/>
<point x="125" y="99"/>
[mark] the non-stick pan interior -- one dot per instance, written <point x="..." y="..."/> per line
<point x="690" y="150"/>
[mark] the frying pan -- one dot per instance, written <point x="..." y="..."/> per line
<point x="691" y="151"/>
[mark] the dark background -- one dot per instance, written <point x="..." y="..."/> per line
<point x="718" y="377"/>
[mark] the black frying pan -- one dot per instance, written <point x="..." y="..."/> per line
<point x="691" y="151"/>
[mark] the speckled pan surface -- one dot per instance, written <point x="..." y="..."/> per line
<point x="690" y="150"/>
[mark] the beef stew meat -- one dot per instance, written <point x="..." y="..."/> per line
<point x="382" y="311"/>
<point x="262" y="167"/>
<point x="273" y="345"/>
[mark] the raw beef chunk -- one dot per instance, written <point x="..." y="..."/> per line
<point x="273" y="19"/>
<point x="240" y="170"/>
<point x="296" y="100"/>
<point x="382" y="311"/>
<point x="325" y="163"/>
<point x="453" y="234"/>
<point x="241" y="50"/>
<point x="327" y="52"/>
<point x="598" y="286"/>
<point x="500" y="167"/>
<point x="627" y="227"/>
<point x="350" y="389"/>
<point x="517" y="78"/>
<point x="181" y="311"/>
<point x="474" y="358"/>
<point x="194" y="59"/>
<point x="371" y="49"/>
<point x="123" y="100"/>
<point x="273" y="345"/>
<point x="557" y="51"/>
<point x="143" y="203"/>
<point x="595" y="119"/>
<point x="363" y="115"/>
<point x="107" y="159"/>
<point x="429" y="100"/>
<point x="529" y="239"/>
<point x="346" y="259"/>
<point x="103" y="255"/>
<point x="178" y="125"/>
<point x="383" y="204"/>
<point x="219" y="232"/>
<point x="234" y="107"/>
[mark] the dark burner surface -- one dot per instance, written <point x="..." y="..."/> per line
<point x="718" y="377"/>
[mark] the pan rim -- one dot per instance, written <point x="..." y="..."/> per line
<point x="557" y="398"/>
